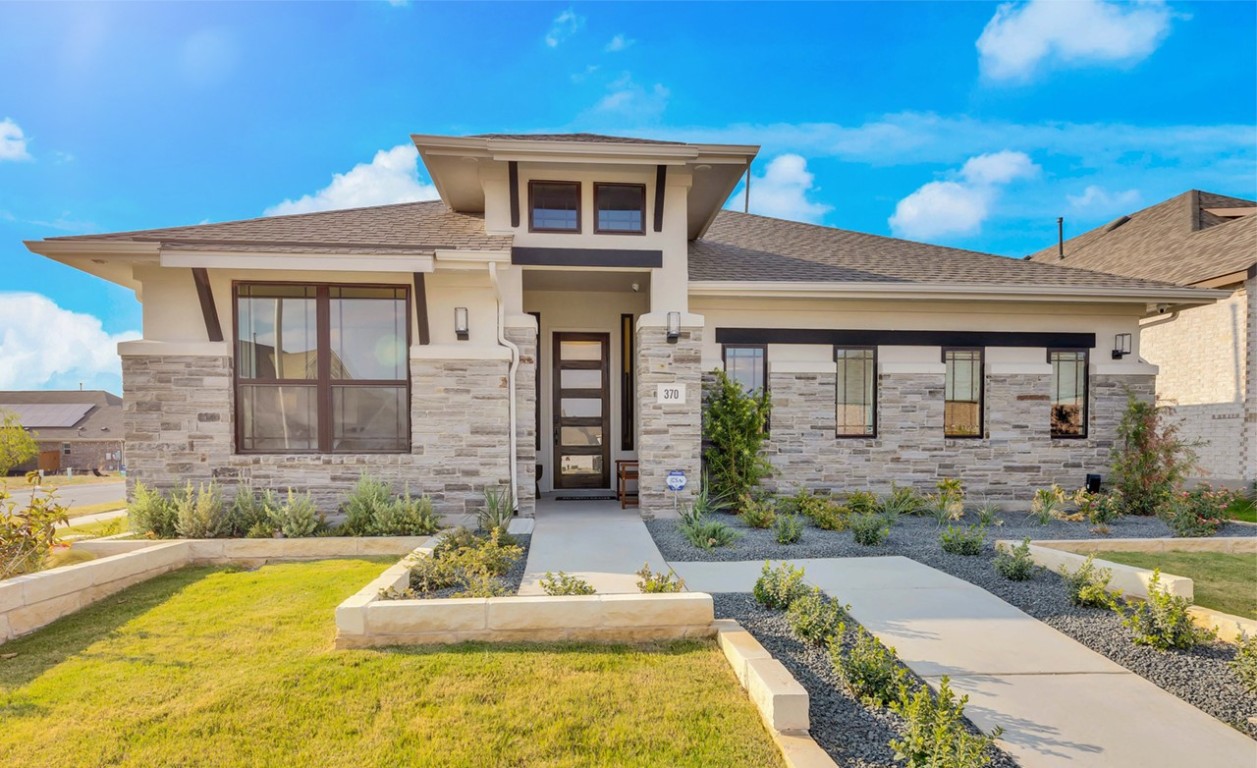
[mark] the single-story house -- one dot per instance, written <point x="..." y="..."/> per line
<point x="554" y="313"/>
<point x="77" y="431"/>
<point x="1207" y="355"/>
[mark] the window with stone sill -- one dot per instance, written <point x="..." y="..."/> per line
<point x="1069" y="392"/>
<point x="322" y="368"/>
<point x="962" y="392"/>
<point x="856" y="391"/>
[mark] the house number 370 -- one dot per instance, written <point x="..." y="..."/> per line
<point x="670" y="394"/>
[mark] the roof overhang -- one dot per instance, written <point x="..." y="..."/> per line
<point x="112" y="260"/>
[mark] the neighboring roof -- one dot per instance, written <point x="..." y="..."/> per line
<point x="1183" y="240"/>
<point x="586" y="137"/>
<point x="99" y="413"/>
<point x="400" y="228"/>
<point x="747" y="247"/>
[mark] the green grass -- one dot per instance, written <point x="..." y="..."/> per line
<point x="93" y="509"/>
<point x="221" y="667"/>
<point x="1223" y="582"/>
<point x="1243" y="509"/>
<point x="98" y="528"/>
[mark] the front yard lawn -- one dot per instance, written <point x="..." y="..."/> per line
<point x="1224" y="582"/>
<point x="224" y="667"/>
<point x="1243" y="509"/>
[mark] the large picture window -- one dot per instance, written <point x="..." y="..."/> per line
<point x="856" y="388"/>
<point x="962" y="406"/>
<point x="322" y="369"/>
<point x="1069" y="392"/>
<point x="748" y="366"/>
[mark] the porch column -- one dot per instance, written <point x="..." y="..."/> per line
<point x="670" y="436"/>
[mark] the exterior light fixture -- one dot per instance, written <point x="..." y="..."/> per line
<point x="674" y="327"/>
<point x="1121" y="346"/>
<point x="460" y="324"/>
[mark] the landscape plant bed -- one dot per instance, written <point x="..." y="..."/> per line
<point x="510" y="580"/>
<point x="853" y="734"/>
<point x="245" y="659"/>
<point x="1202" y="676"/>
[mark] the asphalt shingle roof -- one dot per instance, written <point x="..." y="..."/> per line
<point x="102" y="422"/>
<point x="747" y="247"/>
<point x="1176" y="240"/>
<point x="587" y="137"/>
<point x="401" y="228"/>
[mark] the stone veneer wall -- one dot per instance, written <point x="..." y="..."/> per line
<point x="1249" y="455"/>
<point x="525" y="417"/>
<point x="179" y="422"/>
<point x="1016" y="455"/>
<point x="668" y="436"/>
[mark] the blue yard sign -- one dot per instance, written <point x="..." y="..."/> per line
<point x="676" y="480"/>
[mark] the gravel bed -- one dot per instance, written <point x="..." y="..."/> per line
<point x="1201" y="677"/>
<point x="854" y="735"/>
<point x="511" y="580"/>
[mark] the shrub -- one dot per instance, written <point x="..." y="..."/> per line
<point x="27" y="533"/>
<point x="823" y="511"/>
<point x="406" y="516"/>
<point x="152" y="513"/>
<point x="1196" y="513"/>
<point x="935" y="734"/>
<point x="959" y="541"/>
<point x="17" y="444"/>
<point x="1099" y="508"/>
<point x="902" y="501"/>
<point x="563" y="584"/>
<point x="758" y="512"/>
<point x="200" y="514"/>
<point x="705" y="533"/>
<point x="707" y="500"/>
<point x="366" y="502"/>
<point x="733" y="431"/>
<point x="1047" y="504"/>
<point x="1016" y="564"/>
<point x="1149" y="459"/>
<point x="499" y="508"/>
<point x="656" y="583"/>
<point x="262" y="529"/>
<point x="816" y="619"/>
<point x="988" y="514"/>
<point x="462" y="559"/>
<point x="296" y="517"/>
<point x="862" y="503"/>
<point x="949" y="502"/>
<point x="778" y="587"/>
<point x="789" y="529"/>
<point x="1162" y="620"/>
<point x="869" y="670"/>
<point x="869" y="530"/>
<point x="1088" y="586"/>
<point x="1245" y="662"/>
<point x="251" y="511"/>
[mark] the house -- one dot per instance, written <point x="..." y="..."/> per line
<point x="1207" y="354"/>
<point x="77" y="431"/>
<point x="554" y="314"/>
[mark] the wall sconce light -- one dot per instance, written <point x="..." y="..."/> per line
<point x="460" y="324"/>
<point x="1121" y="346"/>
<point x="674" y="327"/>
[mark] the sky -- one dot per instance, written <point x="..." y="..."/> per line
<point x="973" y="125"/>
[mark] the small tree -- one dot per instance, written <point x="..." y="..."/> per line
<point x="1150" y="460"/>
<point x="16" y="444"/>
<point x="733" y="429"/>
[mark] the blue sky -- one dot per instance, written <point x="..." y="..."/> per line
<point x="966" y="124"/>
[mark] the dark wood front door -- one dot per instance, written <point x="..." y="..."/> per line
<point x="582" y="408"/>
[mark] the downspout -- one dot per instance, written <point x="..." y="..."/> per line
<point x="510" y="384"/>
<point x="1160" y="320"/>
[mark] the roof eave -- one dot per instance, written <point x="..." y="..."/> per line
<point x="955" y="291"/>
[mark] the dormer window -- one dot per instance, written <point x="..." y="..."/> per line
<point x="554" y="206"/>
<point x="621" y="209"/>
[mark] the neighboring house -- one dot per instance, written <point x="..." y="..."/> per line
<point x="556" y="311"/>
<point x="1207" y="354"/>
<point x="78" y="431"/>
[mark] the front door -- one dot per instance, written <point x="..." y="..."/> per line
<point x="582" y="409"/>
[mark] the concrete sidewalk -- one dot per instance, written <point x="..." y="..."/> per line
<point x="595" y="540"/>
<point x="1059" y="702"/>
<point x="96" y="518"/>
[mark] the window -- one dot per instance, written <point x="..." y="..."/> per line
<point x="322" y="369"/>
<point x="748" y="366"/>
<point x="856" y="388"/>
<point x="1069" y="392"/>
<point x="621" y="209"/>
<point x="962" y="393"/>
<point x="555" y="206"/>
<point x="65" y="449"/>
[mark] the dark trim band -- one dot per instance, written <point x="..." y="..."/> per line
<point x="586" y="257"/>
<point x="661" y="182"/>
<point x="209" y="312"/>
<point x="512" y="172"/>
<point x="421" y="310"/>
<point x="867" y="338"/>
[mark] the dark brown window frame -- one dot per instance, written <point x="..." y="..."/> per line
<point x="580" y="226"/>
<point x="598" y="185"/>
<point x="1086" y="393"/>
<point x="766" y="389"/>
<point x="323" y="384"/>
<point x="981" y="393"/>
<point x="876" y="391"/>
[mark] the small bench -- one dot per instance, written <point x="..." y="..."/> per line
<point x="626" y="472"/>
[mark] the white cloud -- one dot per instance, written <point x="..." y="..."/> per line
<point x="782" y="191"/>
<point x="43" y="346"/>
<point x="1020" y="40"/>
<point x="1096" y="200"/>
<point x="392" y="176"/>
<point x="12" y="141"/>
<point x="628" y="98"/>
<point x="959" y="205"/>
<point x="618" y="43"/>
<point x="564" y="26"/>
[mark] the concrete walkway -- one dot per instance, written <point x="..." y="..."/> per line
<point x="96" y="518"/>
<point x="595" y="540"/>
<point x="1060" y="703"/>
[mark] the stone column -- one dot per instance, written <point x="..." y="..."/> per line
<point x="526" y="417"/>
<point x="669" y="437"/>
<point x="1248" y="454"/>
